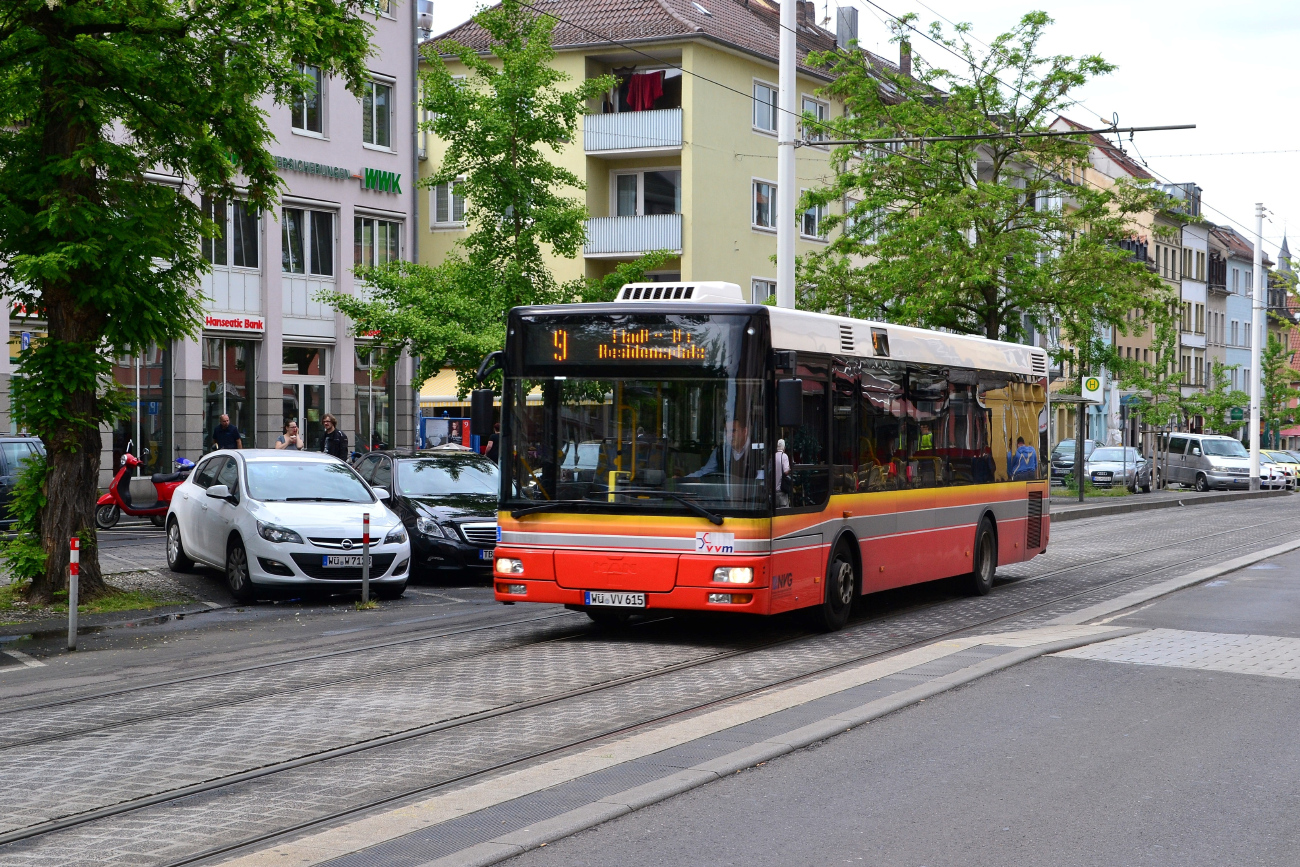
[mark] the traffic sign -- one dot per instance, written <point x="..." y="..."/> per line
<point x="1092" y="389"/>
<point x="1238" y="413"/>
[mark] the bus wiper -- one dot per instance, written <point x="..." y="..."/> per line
<point x="548" y="506"/>
<point x="685" y="501"/>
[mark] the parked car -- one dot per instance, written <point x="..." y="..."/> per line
<point x="1277" y="470"/>
<point x="1287" y="461"/>
<point x="1206" y="461"/>
<point x="274" y="519"/>
<point x="14" y="452"/>
<point x="1112" y="465"/>
<point x="1063" y="457"/>
<point x="447" y="500"/>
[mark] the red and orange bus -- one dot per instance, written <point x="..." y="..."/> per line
<point x="679" y="448"/>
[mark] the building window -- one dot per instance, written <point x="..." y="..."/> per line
<point x="307" y="241"/>
<point x="641" y="193"/>
<point x="820" y="111"/>
<point x="307" y="114"/>
<point x="376" y="114"/>
<point x="1236" y="281"/>
<point x="229" y="387"/>
<point x="764" y="216"/>
<point x="236" y="241"/>
<point x="761" y="290"/>
<point x="448" y="205"/>
<point x="377" y="242"/>
<point x="810" y="223"/>
<point x="765" y="107"/>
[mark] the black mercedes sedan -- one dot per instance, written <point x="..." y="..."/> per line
<point x="447" y="498"/>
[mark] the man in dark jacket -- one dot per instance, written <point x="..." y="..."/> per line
<point x="335" y="441"/>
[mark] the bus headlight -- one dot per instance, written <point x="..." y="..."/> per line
<point x="733" y="575"/>
<point x="510" y="566"/>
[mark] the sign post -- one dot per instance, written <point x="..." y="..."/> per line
<point x="365" y="559"/>
<point x="74" y="586"/>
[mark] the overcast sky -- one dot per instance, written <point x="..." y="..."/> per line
<point x="1229" y="68"/>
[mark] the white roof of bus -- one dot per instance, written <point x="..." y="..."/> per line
<point x="806" y="331"/>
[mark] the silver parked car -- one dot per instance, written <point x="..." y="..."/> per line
<point x="1114" y="465"/>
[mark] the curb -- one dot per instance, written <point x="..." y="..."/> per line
<point x="1075" y="513"/>
<point x="612" y="806"/>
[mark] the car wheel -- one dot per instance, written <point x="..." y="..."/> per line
<point x="985" y="564"/>
<point x="156" y="520"/>
<point x="389" y="591"/>
<point x="1202" y="483"/>
<point x="106" y="517"/>
<point x="237" y="577"/>
<point x="1146" y="489"/>
<point x="841" y="588"/>
<point x="176" y="559"/>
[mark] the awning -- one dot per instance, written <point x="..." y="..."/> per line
<point x="440" y="391"/>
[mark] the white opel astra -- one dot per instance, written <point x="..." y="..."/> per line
<point x="272" y="519"/>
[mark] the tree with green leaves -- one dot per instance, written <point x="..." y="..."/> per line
<point x="498" y="122"/>
<point x="100" y="102"/>
<point x="1215" y="403"/>
<point x="973" y="235"/>
<point x="1276" y="409"/>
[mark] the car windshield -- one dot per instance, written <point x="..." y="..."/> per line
<point x="1065" y="447"/>
<point x="306" y="482"/>
<point x="1224" y="448"/>
<point x="1112" y="454"/>
<point x="426" y="477"/>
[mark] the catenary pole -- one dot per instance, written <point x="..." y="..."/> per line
<point x="783" y="207"/>
<point x="1256" y="332"/>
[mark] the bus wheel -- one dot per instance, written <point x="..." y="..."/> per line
<point x="608" y="618"/>
<point x="980" y="580"/>
<point x="841" y="588"/>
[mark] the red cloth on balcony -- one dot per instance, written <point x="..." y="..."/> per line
<point x="643" y="89"/>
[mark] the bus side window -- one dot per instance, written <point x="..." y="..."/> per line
<point x="806" y="445"/>
<point x="844" y="435"/>
<point x="881" y="460"/>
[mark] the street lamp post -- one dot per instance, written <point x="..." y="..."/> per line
<point x="783" y="207"/>
<point x="1256" y="328"/>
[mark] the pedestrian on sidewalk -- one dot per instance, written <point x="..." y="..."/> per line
<point x="226" y="436"/>
<point x="290" y="440"/>
<point x="335" y="441"/>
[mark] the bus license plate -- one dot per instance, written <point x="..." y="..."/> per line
<point x="616" y="600"/>
<point x="342" y="561"/>
<point x="485" y="553"/>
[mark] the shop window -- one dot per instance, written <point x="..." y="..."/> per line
<point x="375" y="392"/>
<point x="146" y="380"/>
<point x="642" y="193"/>
<point x="377" y="242"/>
<point x="376" y="114"/>
<point x="304" y="372"/>
<point x="229" y="387"/>
<point x="307" y="113"/>
<point x="307" y="241"/>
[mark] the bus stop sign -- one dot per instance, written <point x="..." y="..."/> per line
<point x="1092" y="389"/>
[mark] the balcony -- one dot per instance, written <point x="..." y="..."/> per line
<point x="1218" y="282"/>
<point x="629" y="237"/>
<point x="634" y="133"/>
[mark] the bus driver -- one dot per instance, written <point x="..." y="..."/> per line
<point x="735" y="457"/>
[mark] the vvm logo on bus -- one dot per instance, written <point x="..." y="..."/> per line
<point x="715" y="543"/>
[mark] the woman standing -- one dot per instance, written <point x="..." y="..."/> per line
<point x="290" y="438"/>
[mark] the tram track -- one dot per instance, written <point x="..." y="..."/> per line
<point x="417" y="732"/>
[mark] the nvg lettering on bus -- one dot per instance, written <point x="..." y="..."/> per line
<point x="715" y="543"/>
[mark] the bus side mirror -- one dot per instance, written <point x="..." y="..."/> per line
<point x="480" y="412"/>
<point x="789" y="403"/>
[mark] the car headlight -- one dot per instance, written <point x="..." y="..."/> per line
<point x="274" y="533"/>
<point x="733" y="575"/>
<point x="429" y="527"/>
<point x="397" y="535"/>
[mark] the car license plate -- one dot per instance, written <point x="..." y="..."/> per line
<point x="342" y="561"/>
<point x="485" y="554"/>
<point x="1101" y="475"/>
<point x="617" y="600"/>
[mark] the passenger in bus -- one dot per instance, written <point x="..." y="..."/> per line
<point x="1022" y="464"/>
<point x="781" y="473"/>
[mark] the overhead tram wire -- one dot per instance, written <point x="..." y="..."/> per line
<point x="995" y="136"/>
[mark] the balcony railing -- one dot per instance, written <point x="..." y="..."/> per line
<point x="616" y="237"/>
<point x="640" y="131"/>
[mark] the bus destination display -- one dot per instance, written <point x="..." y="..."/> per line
<point x="632" y="343"/>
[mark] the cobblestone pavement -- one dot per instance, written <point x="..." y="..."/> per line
<point x="265" y="721"/>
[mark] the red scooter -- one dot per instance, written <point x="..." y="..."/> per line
<point x="118" y="499"/>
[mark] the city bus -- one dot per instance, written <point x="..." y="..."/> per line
<point x="682" y="449"/>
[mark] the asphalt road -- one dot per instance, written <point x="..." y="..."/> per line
<point x="169" y="739"/>
<point x="1060" y="761"/>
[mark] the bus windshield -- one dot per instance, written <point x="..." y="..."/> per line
<point x="658" y="445"/>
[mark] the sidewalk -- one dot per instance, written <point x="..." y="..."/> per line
<point x="1067" y="508"/>
<point x="491" y="820"/>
